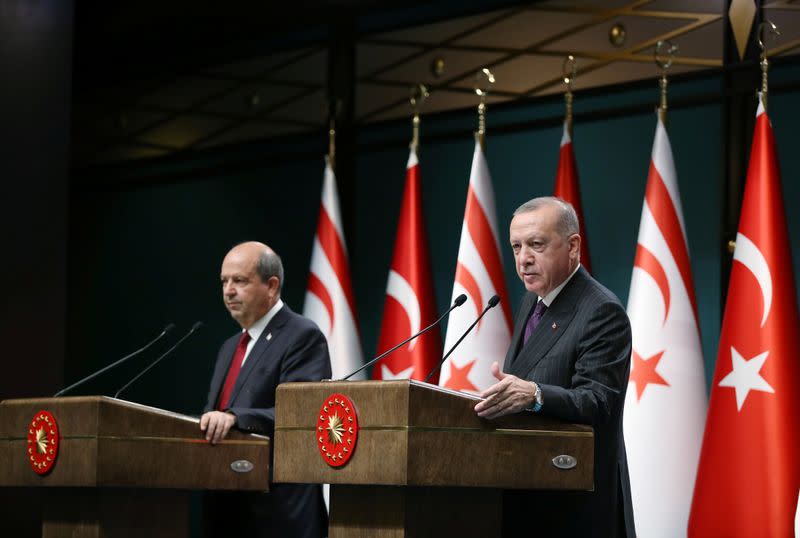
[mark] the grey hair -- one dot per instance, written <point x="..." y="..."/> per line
<point x="269" y="265"/>
<point x="567" y="224"/>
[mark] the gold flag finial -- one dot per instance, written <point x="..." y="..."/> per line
<point x="483" y="82"/>
<point x="664" y="55"/>
<point x="331" y="157"/>
<point x="419" y="93"/>
<point x="773" y="32"/>
<point x="334" y="107"/>
<point x="569" y="69"/>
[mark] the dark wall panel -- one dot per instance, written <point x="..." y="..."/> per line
<point x="142" y="258"/>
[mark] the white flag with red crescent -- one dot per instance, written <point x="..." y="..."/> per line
<point x="479" y="275"/>
<point x="665" y="405"/>
<point x="329" y="298"/>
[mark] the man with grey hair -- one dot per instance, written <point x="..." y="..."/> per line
<point x="569" y="359"/>
<point x="274" y="346"/>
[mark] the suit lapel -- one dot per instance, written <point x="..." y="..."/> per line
<point x="528" y="302"/>
<point x="554" y="323"/>
<point x="260" y="348"/>
<point x="222" y="368"/>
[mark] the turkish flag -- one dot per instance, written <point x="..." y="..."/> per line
<point x="665" y="405"/>
<point x="568" y="188"/>
<point x="329" y="300"/>
<point x="749" y="474"/>
<point x="479" y="275"/>
<point x="410" y="302"/>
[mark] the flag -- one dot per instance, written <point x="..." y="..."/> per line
<point x="329" y="300"/>
<point x="568" y="188"/>
<point x="749" y="474"/>
<point x="665" y="405"/>
<point x="479" y="275"/>
<point x="410" y="302"/>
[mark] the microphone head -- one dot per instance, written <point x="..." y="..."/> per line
<point x="493" y="301"/>
<point x="169" y="328"/>
<point x="199" y="324"/>
<point x="461" y="299"/>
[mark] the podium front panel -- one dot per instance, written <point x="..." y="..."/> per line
<point x="414" y="434"/>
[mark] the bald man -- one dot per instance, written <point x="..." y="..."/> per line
<point x="274" y="346"/>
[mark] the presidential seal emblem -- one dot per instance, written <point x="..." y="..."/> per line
<point x="42" y="442"/>
<point x="337" y="430"/>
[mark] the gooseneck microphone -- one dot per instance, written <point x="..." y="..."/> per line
<point x="196" y="326"/>
<point x="491" y="304"/>
<point x="461" y="299"/>
<point x="164" y="332"/>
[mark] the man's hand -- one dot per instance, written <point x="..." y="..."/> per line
<point x="217" y="424"/>
<point x="510" y="395"/>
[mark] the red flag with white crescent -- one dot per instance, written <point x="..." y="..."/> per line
<point x="329" y="298"/>
<point x="665" y="405"/>
<point x="479" y="275"/>
<point x="410" y="302"/>
<point x="568" y="188"/>
<point x="749" y="474"/>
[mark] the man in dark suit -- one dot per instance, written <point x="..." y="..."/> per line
<point x="569" y="359"/>
<point x="275" y="346"/>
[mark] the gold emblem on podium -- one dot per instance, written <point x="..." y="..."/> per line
<point x="337" y="430"/>
<point x="43" y="440"/>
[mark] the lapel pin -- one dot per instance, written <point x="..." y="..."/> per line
<point x="554" y="326"/>
<point x="269" y="335"/>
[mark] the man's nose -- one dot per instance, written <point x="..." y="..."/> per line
<point x="228" y="289"/>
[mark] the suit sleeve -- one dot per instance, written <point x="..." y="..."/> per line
<point x="601" y="370"/>
<point x="306" y="359"/>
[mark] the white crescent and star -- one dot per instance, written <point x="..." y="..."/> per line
<point x="399" y="288"/>
<point x="746" y="373"/>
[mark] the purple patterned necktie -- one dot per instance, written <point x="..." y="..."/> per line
<point x="534" y="320"/>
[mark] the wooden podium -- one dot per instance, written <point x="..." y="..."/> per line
<point x="122" y="469"/>
<point x="424" y="464"/>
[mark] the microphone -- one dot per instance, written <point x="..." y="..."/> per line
<point x="491" y="304"/>
<point x="166" y="331"/>
<point x="196" y="326"/>
<point x="461" y="299"/>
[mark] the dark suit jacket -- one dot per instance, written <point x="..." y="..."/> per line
<point x="291" y="348"/>
<point x="579" y="354"/>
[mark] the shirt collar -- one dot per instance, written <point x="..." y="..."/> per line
<point x="550" y="297"/>
<point x="258" y="327"/>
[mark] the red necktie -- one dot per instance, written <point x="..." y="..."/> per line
<point x="233" y="371"/>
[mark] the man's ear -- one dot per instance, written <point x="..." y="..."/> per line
<point x="274" y="284"/>
<point x="575" y="245"/>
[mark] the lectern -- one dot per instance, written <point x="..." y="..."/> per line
<point x="419" y="461"/>
<point x="117" y="468"/>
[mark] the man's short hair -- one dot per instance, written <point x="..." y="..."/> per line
<point x="269" y="265"/>
<point x="567" y="224"/>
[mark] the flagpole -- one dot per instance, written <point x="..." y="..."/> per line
<point x="569" y="71"/>
<point x="482" y="90"/>
<point x="774" y="32"/>
<point x="663" y="56"/>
